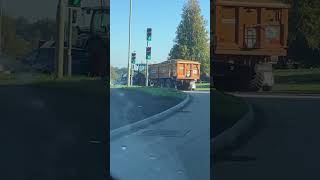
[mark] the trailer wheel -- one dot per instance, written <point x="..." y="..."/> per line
<point x="168" y="83"/>
<point x="162" y="83"/>
<point x="256" y="82"/>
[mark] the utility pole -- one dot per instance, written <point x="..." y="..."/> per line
<point x="70" y="42"/>
<point x="129" y="48"/>
<point x="59" y="54"/>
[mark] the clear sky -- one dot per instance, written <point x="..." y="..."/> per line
<point x="162" y="16"/>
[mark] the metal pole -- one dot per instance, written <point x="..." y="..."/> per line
<point x="147" y="73"/>
<point x="132" y="74"/>
<point x="59" y="56"/>
<point x="1" y="19"/>
<point x="70" y="43"/>
<point x="129" y="48"/>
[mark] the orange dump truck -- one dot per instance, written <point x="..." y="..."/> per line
<point x="177" y="73"/>
<point x="248" y="37"/>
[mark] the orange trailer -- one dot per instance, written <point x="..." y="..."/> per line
<point x="177" y="73"/>
<point x="248" y="36"/>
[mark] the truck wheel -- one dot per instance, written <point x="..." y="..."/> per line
<point x="168" y="83"/>
<point x="256" y="82"/>
<point x="162" y="83"/>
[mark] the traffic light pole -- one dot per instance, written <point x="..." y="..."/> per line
<point x="147" y="73"/>
<point x="70" y="43"/>
<point x="132" y="74"/>
<point x="1" y="19"/>
<point x="129" y="48"/>
<point x="59" y="51"/>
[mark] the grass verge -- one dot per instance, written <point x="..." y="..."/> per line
<point x="75" y="83"/>
<point x="164" y="92"/>
<point x="203" y="86"/>
<point x="227" y="110"/>
<point x="297" y="80"/>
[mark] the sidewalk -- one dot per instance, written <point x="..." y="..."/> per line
<point x="177" y="148"/>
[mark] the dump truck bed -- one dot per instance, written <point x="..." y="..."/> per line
<point x="249" y="27"/>
<point x="175" y="69"/>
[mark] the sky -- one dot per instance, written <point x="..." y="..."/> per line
<point x="162" y="16"/>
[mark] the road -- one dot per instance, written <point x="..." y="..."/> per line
<point x="50" y="134"/>
<point x="284" y="144"/>
<point x="177" y="148"/>
<point x="127" y="106"/>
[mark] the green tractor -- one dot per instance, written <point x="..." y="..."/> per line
<point x="95" y="39"/>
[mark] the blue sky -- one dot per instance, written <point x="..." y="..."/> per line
<point x="162" y="16"/>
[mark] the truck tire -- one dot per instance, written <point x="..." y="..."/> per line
<point x="256" y="83"/>
<point x="168" y="83"/>
<point x="162" y="83"/>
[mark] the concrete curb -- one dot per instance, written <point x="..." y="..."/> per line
<point x="229" y="137"/>
<point x="146" y="122"/>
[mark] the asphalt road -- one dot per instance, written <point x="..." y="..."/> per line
<point x="127" y="106"/>
<point x="50" y="134"/>
<point x="175" y="148"/>
<point x="283" y="145"/>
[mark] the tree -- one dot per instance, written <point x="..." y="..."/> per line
<point x="304" y="34"/>
<point x="304" y="20"/>
<point x="12" y="45"/>
<point x="192" y="41"/>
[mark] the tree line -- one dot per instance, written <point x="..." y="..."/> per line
<point x="304" y="32"/>
<point x="20" y="36"/>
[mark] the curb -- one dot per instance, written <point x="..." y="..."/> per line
<point x="229" y="137"/>
<point x="146" y="122"/>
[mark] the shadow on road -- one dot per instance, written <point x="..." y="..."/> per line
<point x="228" y="153"/>
<point x="52" y="133"/>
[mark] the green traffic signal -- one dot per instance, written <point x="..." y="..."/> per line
<point x="149" y="33"/>
<point x="75" y="3"/>
<point x="133" y="58"/>
<point x="148" y="53"/>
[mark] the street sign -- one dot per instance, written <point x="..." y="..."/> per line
<point x="74" y="3"/>
<point x="149" y="33"/>
<point x="148" y="53"/>
<point x="133" y="58"/>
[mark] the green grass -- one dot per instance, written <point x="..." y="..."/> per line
<point x="165" y="92"/>
<point x="75" y="83"/>
<point x="227" y="110"/>
<point x="203" y="86"/>
<point x="297" y="80"/>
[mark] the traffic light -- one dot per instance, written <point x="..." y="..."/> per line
<point x="148" y="54"/>
<point x="149" y="33"/>
<point x="74" y="3"/>
<point x="133" y="58"/>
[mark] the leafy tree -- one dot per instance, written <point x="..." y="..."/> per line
<point x="12" y="45"/>
<point x="192" y="40"/>
<point x="304" y="20"/>
<point x="304" y="34"/>
<point x="116" y="73"/>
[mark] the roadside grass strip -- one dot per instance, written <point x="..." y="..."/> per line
<point x="227" y="110"/>
<point x="203" y="86"/>
<point x="297" y="80"/>
<point x="165" y="92"/>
